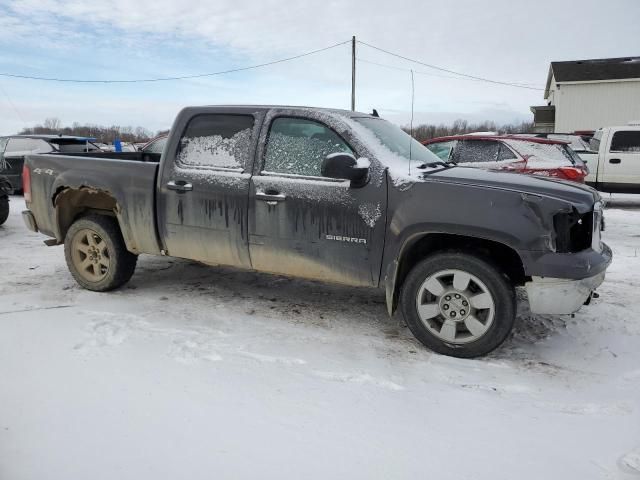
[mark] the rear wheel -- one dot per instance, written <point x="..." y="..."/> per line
<point x="4" y="209"/>
<point x="96" y="254"/>
<point x="458" y="304"/>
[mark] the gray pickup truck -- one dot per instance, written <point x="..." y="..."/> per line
<point x="335" y="196"/>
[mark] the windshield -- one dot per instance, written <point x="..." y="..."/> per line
<point x="394" y="139"/>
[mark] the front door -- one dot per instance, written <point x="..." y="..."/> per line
<point x="307" y="225"/>
<point x="203" y="192"/>
<point x="621" y="168"/>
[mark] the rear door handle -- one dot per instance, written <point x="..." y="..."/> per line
<point x="271" y="197"/>
<point x="179" y="186"/>
<point x="615" y="160"/>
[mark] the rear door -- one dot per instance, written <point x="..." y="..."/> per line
<point x="307" y="225"/>
<point x="621" y="167"/>
<point x="204" y="186"/>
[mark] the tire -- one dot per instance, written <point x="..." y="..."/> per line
<point x="96" y="254"/>
<point x="4" y="209"/>
<point x="449" y="319"/>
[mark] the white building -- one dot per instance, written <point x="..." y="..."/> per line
<point x="588" y="94"/>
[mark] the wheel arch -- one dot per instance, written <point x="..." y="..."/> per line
<point x="73" y="203"/>
<point x="421" y="245"/>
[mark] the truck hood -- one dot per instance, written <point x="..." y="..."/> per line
<point x="575" y="193"/>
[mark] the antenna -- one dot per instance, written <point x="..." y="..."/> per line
<point x="413" y="91"/>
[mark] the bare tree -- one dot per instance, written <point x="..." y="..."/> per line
<point x="100" y="133"/>
<point x="52" y="123"/>
<point x="460" y="127"/>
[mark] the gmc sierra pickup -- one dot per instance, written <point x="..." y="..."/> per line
<point x="335" y="196"/>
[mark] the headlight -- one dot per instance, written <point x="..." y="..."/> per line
<point x="574" y="231"/>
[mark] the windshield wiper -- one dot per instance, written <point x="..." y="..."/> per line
<point x="439" y="163"/>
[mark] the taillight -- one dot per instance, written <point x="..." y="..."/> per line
<point x="567" y="173"/>
<point x="573" y="173"/>
<point x="26" y="183"/>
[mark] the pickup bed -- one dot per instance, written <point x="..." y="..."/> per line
<point x="335" y="196"/>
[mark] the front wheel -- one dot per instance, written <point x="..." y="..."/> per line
<point x="458" y="304"/>
<point x="96" y="254"/>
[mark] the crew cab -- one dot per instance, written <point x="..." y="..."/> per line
<point x="614" y="162"/>
<point x="514" y="153"/>
<point x="336" y="196"/>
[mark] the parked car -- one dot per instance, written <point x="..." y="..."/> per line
<point x="335" y="196"/>
<point x="614" y="159"/>
<point x="5" y="190"/>
<point x="14" y="148"/>
<point x="514" y="153"/>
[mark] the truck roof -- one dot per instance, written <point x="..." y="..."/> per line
<point x="343" y="112"/>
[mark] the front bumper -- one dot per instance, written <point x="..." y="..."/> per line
<point x="559" y="295"/>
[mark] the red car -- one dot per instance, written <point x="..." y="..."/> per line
<point x="520" y="154"/>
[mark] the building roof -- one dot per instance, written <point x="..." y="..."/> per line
<point x="593" y="70"/>
<point x="597" y="69"/>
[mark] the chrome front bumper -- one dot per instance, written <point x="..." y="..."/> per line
<point x="559" y="295"/>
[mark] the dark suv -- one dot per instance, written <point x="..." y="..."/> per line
<point x="14" y="148"/>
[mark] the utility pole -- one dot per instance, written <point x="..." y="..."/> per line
<point x="353" y="73"/>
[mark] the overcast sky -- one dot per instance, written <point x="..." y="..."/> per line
<point x="505" y="40"/>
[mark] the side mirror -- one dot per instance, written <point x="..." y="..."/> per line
<point x="345" y="166"/>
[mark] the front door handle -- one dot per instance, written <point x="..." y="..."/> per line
<point x="179" y="186"/>
<point x="271" y="196"/>
<point x="615" y="160"/>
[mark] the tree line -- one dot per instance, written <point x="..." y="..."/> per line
<point x="102" y="134"/>
<point x="460" y="127"/>
<point x="140" y="134"/>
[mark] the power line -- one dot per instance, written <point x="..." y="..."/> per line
<point x="418" y="72"/>
<point x="435" y="67"/>
<point x="182" y="77"/>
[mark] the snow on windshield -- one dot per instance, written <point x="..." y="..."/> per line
<point x="215" y="150"/>
<point x="394" y="148"/>
<point x="542" y="154"/>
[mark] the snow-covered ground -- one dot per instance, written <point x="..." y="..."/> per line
<point x="201" y="372"/>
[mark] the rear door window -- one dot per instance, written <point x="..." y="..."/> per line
<point x="626" y="141"/>
<point x="216" y="141"/>
<point x="506" y="153"/>
<point x="472" y="151"/>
